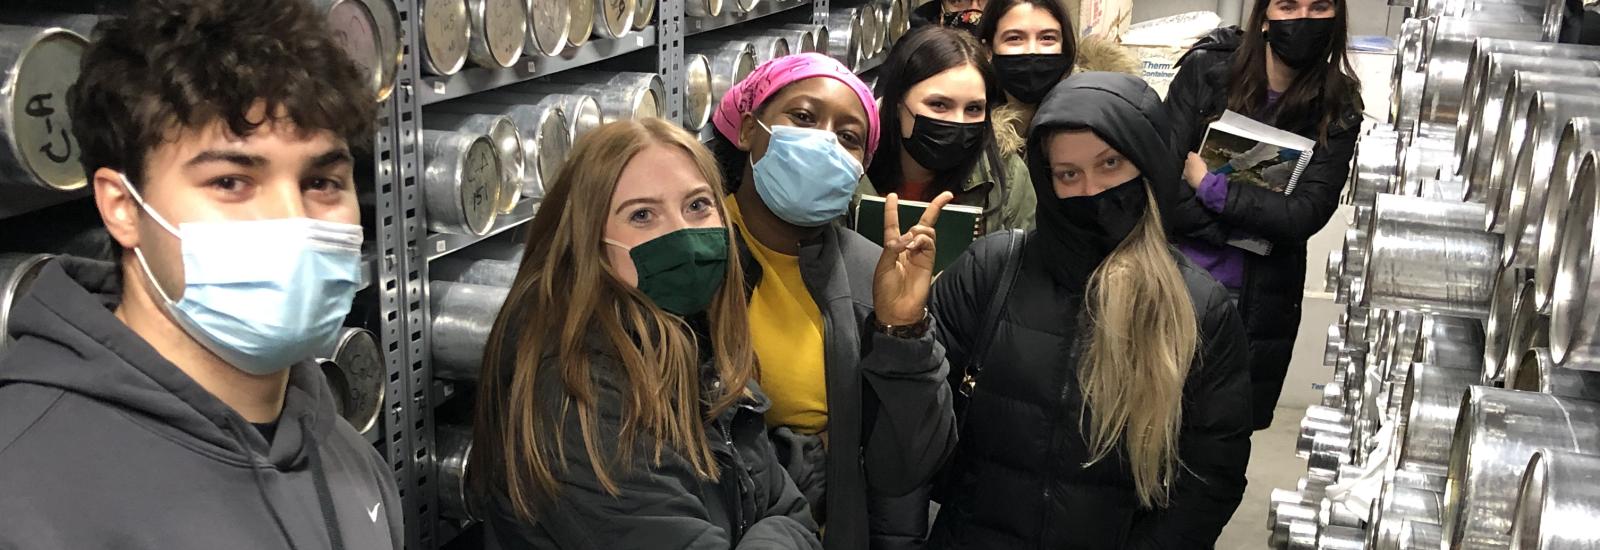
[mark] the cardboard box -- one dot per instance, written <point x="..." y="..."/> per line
<point x="1107" y="19"/>
<point x="1158" y="65"/>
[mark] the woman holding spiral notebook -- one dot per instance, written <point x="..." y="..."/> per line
<point x="1287" y="68"/>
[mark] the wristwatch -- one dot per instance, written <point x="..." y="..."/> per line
<point x="911" y="332"/>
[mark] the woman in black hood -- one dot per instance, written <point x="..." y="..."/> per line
<point x="1103" y="377"/>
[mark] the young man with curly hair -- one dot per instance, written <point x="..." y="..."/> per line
<point x="167" y="400"/>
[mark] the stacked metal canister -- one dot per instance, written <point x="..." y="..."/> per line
<point x="1462" y="412"/>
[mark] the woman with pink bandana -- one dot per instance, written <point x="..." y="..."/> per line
<point x="861" y="414"/>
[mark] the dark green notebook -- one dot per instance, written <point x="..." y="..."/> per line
<point x="957" y="227"/>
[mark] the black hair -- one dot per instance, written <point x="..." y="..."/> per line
<point x="173" y="64"/>
<point x="1319" y="93"/>
<point x="919" y="55"/>
<point x="996" y="9"/>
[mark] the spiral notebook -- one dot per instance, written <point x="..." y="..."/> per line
<point x="1254" y="153"/>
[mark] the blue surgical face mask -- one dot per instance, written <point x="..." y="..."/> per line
<point x="261" y="294"/>
<point x="806" y="178"/>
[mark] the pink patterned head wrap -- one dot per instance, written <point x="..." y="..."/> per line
<point x="773" y="75"/>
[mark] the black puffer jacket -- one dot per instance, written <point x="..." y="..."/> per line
<point x="1273" y="285"/>
<point x="1019" y="479"/>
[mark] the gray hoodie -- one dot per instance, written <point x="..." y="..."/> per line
<point x="105" y="444"/>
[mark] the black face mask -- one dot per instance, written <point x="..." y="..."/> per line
<point x="1301" y="43"/>
<point x="1028" y="77"/>
<point x="966" y="20"/>
<point x="939" y="146"/>
<point x="1097" y="224"/>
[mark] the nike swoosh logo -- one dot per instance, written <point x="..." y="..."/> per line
<point x="373" y="513"/>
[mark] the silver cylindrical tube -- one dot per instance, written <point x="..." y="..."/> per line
<point x="845" y="37"/>
<point x="1528" y="330"/>
<point x="549" y="23"/>
<point x="463" y="315"/>
<point x="1537" y="372"/>
<point x="703" y="8"/>
<point x="1420" y="535"/>
<point x="461" y="182"/>
<point x="17" y="272"/>
<point x="643" y="13"/>
<point x="1495" y="434"/>
<point x="499" y="32"/>
<point x="1333" y="345"/>
<point x="1521" y="112"/>
<point x="731" y="62"/>
<point x="1277" y="498"/>
<point x="743" y="6"/>
<point x="622" y="95"/>
<point x="369" y="32"/>
<point x="1579" y="141"/>
<point x="36" y="142"/>
<point x="1530" y="177"/>
<point x="1335" y="537"/>
<point x="614" y="18"/>
<point x="1302" y="535"/>
<point x="1493" y="63"/>
<point x="460" y="269"/>
<point x="1557" y="502"/>
<point x="580" y="27"/>
<point x="1333" y="270"/>
<point x="508" y="143"/>
<point x="819" y="35"/>
<point x="1377" y="166"/>
<point x="356" y="373"/>
<point x="698" y="101"/>
<point x="1452" y="342"/>
<point x="1431" y="268"/>
<point x="1429" y="410"/>
<point x="1446" y="63"/>
<point x="446" y="35"/>
<point x="545" y="136"/>
<point x="872" y="30"/>
<point x="1508" y="286"/>
<point x="1574" y="323"/>
<point x="767" y="46"/>
<point x="453" y="449"/>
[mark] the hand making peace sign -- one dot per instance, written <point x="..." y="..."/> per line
<point x="905" y="271"/>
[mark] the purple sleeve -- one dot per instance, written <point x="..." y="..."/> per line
<point x="1213" y="192"/>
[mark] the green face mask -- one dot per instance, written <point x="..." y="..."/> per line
<point x="682" y="270"/>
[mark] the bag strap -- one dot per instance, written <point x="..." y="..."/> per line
<point x="991" y="319"/>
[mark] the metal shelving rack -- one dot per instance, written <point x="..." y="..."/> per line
<point x="414" y="413"/>
<point x="394" y="300"/>
<point x="378" y="305"/>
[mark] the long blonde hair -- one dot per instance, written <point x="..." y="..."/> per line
<point x="565" y="293"/>
<point x="1143" y="338"/>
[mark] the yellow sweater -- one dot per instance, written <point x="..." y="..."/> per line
<point x="786" y="331"/>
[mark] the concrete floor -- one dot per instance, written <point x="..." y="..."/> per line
<point x="1272" y="465"/>
<point x="1272" y="460"/>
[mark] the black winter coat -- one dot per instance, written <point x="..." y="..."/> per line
<point x="1273" y="285"/>
<point x="753" y="505"/>
<point x="1018" y="478"/>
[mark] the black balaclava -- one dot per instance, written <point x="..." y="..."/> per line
<point x="1127" y="114"/>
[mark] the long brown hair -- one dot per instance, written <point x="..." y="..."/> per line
<point x="565" y="294"/>
<point x="1320" y="93"/>
<point x="1142" y="339"/>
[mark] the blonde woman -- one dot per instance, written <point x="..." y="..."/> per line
<point x="618" y="407"/>
<point x="1103" y="386"/>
